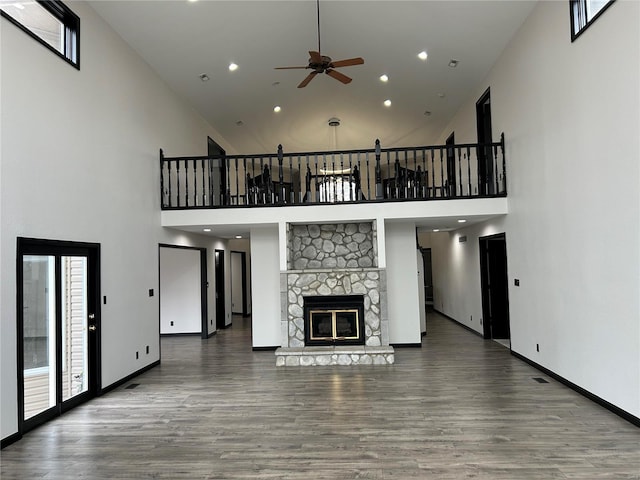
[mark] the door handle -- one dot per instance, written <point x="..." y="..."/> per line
<point x="92" y="328"/>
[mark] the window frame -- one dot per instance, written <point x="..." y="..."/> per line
<point x="71" y="24"/>
<point x="581" y="5"/>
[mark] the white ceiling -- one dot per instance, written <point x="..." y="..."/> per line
<point x="181" y="40"/>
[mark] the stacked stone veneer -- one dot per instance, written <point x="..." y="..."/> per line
<point x="335" y="259"/>
<point x="334" y="246"/>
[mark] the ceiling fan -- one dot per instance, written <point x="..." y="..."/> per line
<point x="322" y="64"/>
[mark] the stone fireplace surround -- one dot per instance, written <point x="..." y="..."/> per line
<point x="333" y="259"/>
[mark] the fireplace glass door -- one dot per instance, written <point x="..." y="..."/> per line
<point x="334" y="325"/>
<point x="334" y="320"/>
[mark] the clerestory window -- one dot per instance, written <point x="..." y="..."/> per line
<point x="584" y="13"/>
<point x="50" y="22"/>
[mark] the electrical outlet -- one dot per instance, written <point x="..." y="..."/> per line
<point x="516" y="282"/>
<point x="147" y="349"/>
<point x="137" y="355"/>
<point x="172" y="323"/>
<point x="211" y="321"/>
<point x="471" y="318"/>
<point x="537" y="347"/>
<point x="480" y="321"/>
<point x="104" y="299"/>
<point x="151" y="292"/>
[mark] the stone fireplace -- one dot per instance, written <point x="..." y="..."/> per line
<point x="332" y="275"/>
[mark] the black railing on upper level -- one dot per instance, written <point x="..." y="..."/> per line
<point x="353" y="176"/>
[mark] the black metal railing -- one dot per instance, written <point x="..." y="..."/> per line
<point x="352" y="176"/>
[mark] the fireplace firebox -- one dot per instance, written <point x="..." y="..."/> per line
<point x="334" y="320"/>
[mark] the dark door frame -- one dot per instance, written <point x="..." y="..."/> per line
<point x="485" y="284"/>
<point x="451" y="165"/>
<point x="485" y="158"/>
<point x="243" y="260"/>
<point x="423" y="251"/>
<point x="221" y="312"/>
<point x="215" y="150"/>
<point x="204" y="332"/>
<point x="57" y="249"/>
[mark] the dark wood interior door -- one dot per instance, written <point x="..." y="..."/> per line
<point x="218" y="173"/>
<point x="220" y="294"/>
<point x="451" y="165"/>
<point x="485" y="157"/>
<point x="494" y="285"/>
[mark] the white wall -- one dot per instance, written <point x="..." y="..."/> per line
<point x="79" y="161"/>
<point x="180" y="291"/>
<point x="569" y="112"/>
<point x="403" y="299"/>
<point x="265" y="277"/>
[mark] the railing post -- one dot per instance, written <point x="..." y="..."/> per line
<point x="178" y="183"/>
<point x="226" y="195"/>
<point x="504" y="164"/>
<point x="186" y="182"/>
<point x="161" y="179"/>
<point x="469" y="170"/>
<point x="237" y="192"/>
<point x="194" y="164"/>
<point x="378" y="172"/>
<point x="280" y="176"/>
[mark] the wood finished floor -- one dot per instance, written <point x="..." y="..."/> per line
<point x="460" y="407"/>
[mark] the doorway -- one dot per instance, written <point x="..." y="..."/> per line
<point x="58" y="330"/>
<point x="218" y="172"/>
<point x="495" y="287"/>
<point x="239" y="283"/>
<point x="220" y="296"/>
<point x="451" y="165"/>
<point x="428" y="276"/>
<point x="183" y="290"/>
<point x="485" y="157"/>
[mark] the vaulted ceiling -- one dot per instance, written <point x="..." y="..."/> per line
<point x="183" y="39"/>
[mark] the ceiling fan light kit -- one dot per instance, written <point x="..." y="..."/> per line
<point x="323" y="64"/>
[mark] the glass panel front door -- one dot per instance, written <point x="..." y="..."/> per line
<point x="75" y="359"/>
<point x="39" y="333"/>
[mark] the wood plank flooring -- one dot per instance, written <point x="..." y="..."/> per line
<point x="460" y="407"/>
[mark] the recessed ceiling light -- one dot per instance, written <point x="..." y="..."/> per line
<point x="277" y="108"/>
<point x="238" y="236"/>
<point x="441" y="95"/>
<point x="453" y="63"/>
<point x="387" y="103"/>
<point x="191" y="1"/>
<point x="239" y="123"/>
<point x="436" y="229"/>
<point x="206" y="229"/>
<point x="384" y="78"/>
<point x="233" y="67"/>
<point x="423" y="55"/>
<point x="427" y="113"/>
<point x="204" y="77"/>
<point x="462" y="220"/>
<point x="275" y="84"/>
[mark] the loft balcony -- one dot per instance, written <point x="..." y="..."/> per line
<point x="351" y="177"/>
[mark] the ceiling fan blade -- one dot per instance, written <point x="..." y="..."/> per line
<point x="315" y="57"/>
<point x="307" y="79"/>
<point x="347" y="63"/>
<point x="338" y="76"/>
<point x="288" y="68"/>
